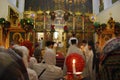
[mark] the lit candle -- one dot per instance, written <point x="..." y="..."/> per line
<point x="73" y="66"/>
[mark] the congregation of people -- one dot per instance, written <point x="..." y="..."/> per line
<point x="43" y="63"/>
<point x="22" y="62"/>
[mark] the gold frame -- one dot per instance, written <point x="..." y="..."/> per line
<point x="13" y="32"/>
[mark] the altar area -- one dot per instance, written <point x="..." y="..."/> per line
<point x="58" y="26"/>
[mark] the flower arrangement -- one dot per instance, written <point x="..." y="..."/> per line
<point x="2" y="21"/>
<point x="27" y="24"/>
<point x="52" y="28"/>
<point x="5" y="25"/>
<point x="65" y="28"/>
<point x="99" y="27"/>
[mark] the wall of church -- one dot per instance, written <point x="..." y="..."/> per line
<point x="113" y="11"/>
<point x="96" y="5"/>
<point x="18" y="4"/>
<point x="4" y="8"/>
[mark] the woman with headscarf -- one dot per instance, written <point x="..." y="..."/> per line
<point x="19" y="60"/>
<point x="25" y="57"/>
<point x="10" y="69"/>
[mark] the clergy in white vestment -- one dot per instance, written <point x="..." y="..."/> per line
<point x="90" y="71"/>
<point x="72" y="49"/>
<point x="49" y="55"/>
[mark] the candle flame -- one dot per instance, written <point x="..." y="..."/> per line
<point x="74" y="61"/>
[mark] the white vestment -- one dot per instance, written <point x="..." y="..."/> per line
<point x="89" y="72"/>
<point x="49" y="56"/>
<point x="72" y="49"/>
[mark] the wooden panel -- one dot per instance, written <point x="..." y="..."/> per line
<point x="105" y="36"/>
<point x="1" y="36"/>
<point x="16" y="35"/>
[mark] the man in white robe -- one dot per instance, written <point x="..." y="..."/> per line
<point x="47" y="69"/>
<point x="72" y="49"/>
<point x="49" y="55"/>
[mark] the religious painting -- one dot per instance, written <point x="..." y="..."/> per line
<point x="70" y="26"/>
<point x="39" y="26"/>
<point x="71" y="5"/>
<point x="101" y="6"/>
<point x="16" y="37"/>
<point x="85" y="6"/>
<point x="70" y="19"/>
<point x="48" y="36"/>
<point x="78" y="23"/>
<point x="40" y="18"/>
<point x="30" y="36"/>
<point x="13" y="16"/>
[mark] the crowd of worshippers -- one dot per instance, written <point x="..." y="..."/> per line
<point x="19" y="62"/>
<point x="22" y="62"/>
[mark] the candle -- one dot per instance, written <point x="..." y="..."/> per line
<point x="73" y="66"/>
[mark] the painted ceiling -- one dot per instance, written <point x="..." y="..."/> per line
<point x="69" y="5"/>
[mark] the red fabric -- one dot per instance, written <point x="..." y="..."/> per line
<point x="29" y="45"/>
<point x="65" y="28"/>
<point x="52" y="26"/>
<point x="60" y="59"/>
<point x="59" y="55"/>
<point x="79" y="64"/>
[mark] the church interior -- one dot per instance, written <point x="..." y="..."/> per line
<point x="57" y="21"/>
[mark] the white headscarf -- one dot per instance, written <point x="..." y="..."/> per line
<point x="72" y="39"/>
<point x="25" y="52"/>
<point x="32" y="62"/>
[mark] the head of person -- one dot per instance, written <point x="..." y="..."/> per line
<point x="84" y="42"/>
<point x="117" y="29"/>
<point x="49" y="44"/>
<point x="23" y="52"/>
<point x="33" y="61"/>
<point x="2" y="49"/>
<point x="90" y="44"/>
<point x="41" y="38"/>
<point x="97" y="43"/>
<point x="52" y="43"/>
<point x="73" y="41"/>
<point x="9" y="68"/>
